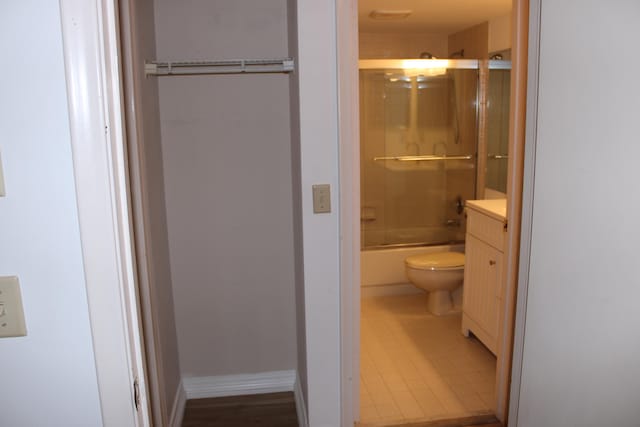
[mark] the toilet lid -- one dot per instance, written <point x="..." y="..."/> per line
<point x="436" y="260"/>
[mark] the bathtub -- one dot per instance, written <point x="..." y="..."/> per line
<point x="382" y="270"/>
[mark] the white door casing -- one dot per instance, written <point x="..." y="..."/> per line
<point x="90" y="40"/>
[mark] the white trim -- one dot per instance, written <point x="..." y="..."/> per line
<point x="179" y="403"/>
<point x="301" y="407"/>
<point x="349" y="185"/>
<point x="90" y="45"/>
<point x="527" y="207"/>
<point x="238" y="385"/>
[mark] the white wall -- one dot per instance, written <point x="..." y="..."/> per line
<point x="48" y="377"/>
<point x="228" y="183"/>
<point x="581" y="347"/>
<point x="317" y="73"/>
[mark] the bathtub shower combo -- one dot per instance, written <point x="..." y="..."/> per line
<point x="433" y="135"/>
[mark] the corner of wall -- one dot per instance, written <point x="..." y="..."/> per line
<point x="179" y="403"/>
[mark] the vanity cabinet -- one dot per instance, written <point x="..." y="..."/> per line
<point x="483" y="280"/>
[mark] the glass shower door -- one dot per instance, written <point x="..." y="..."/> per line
<point x="418" y="145"/>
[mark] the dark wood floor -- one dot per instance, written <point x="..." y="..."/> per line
<point x="264" y="410"/>
<point x="278" y="410"/>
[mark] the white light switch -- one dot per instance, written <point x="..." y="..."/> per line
<point x="11" y="313"/>
<point x="321" y="198"/>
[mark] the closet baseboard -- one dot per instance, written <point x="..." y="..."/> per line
<point x="301" y="406"/>
<point x="237" y="385"/>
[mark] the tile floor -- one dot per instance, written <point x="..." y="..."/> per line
<point x="417" y="367"/>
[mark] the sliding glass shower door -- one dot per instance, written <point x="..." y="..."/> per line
<point x="418" y="151"/>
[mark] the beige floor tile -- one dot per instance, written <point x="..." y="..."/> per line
<point x="394" y="382"/>
<point x="429" y="403"/>
<point x="389" y="410"/>
<point x="416" y="366"/>
<point x="473" y="403"/>
<point x="416" y="384"/>
<point x="408" y="405"/>
<point x="365" y="396"/>
<point x="368" y="414"/>
<point x="488" y="398"/>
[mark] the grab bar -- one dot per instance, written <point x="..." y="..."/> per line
<point x="423" y="158"/>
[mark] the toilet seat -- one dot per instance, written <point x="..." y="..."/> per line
<point x="436" y="261"/>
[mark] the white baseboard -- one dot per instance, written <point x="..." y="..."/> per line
<point x="301" y="407"/>
<point x="236" y="385"/>
<point x="179" y="403"/>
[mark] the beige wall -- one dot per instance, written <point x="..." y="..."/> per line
<point x="227" y="164"/>
<point x="150" y="222"/>
<point x="296" y="175"/>
<point x="499" y="33"/>
<point x="378" y="46"/>
<point x="474" y="40"/>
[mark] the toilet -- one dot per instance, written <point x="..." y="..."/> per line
<point x="439" y="274"/>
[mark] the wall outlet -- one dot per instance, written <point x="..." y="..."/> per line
<point x="11" y="312"/>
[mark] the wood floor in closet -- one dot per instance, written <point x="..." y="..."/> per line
<point x="264" y="410"/>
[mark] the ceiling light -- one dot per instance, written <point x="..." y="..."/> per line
<point x="389" y="15"/>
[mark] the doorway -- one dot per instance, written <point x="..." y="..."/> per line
<point x="500" y="385"/>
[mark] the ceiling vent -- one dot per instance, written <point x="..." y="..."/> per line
<point x="388" y="15"/>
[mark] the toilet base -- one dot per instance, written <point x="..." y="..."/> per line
<point x="439" y="302"/>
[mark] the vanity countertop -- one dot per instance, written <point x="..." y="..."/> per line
<point x="495" y="208"/>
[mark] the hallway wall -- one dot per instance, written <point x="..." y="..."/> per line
<point x="49" y="376"/>
<point x="581" y="346"/>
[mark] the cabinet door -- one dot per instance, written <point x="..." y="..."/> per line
<point x="482" y="285"/>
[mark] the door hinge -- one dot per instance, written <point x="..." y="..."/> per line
<point x="136" y="394"/>
<point x="506" y="225"/>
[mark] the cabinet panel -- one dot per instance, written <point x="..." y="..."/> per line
<point x="481" y="294"/>
<point x="486" y="228"/>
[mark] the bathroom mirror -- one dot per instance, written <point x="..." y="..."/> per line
<point x="497" y="128"/>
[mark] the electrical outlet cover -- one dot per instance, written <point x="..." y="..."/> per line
<point x="11" y="313"/>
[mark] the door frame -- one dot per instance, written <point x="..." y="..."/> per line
<point x="91" y="53"/>
<point x="510" y="351"/>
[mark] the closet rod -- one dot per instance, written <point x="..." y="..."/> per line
<point x="233" y="66"/>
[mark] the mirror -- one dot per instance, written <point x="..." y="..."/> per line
<point x="497" y="131"/>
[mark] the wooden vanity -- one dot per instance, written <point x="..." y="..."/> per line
<point x="483" y="283"/>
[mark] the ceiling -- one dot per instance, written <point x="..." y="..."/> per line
<point x="430" y="16"/>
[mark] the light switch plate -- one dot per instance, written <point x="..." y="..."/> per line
<point x="321" y="198"/>
<point x="11" y="312"/>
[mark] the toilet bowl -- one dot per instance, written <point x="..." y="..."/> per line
<point x="438" y="274"/>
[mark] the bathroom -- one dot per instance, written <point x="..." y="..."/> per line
<point x="431" y="141"/>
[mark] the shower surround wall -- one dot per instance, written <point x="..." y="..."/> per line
<point x="227" y="171"/>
